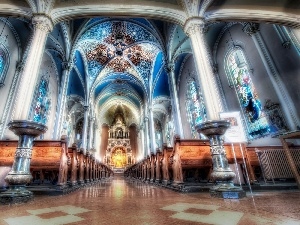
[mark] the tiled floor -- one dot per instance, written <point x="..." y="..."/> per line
<point x="121" y="202"/>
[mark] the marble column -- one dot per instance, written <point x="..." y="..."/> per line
<point x="152" y="132"/>
<point x="195" y="29"/>
<point x="285" y="100"/>
<point x="142" y="141"/>
<point x="94" y="135"/>
<point x="85" y="127"/>
<point x="74" y="138"/>
<point x="62" y="100"/>
<point x="175" y="101"/>
<point x="147" y="147"/>
<point x="91" y="134"/>
<point x="42" y="26"/>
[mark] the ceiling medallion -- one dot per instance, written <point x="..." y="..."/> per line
<point x="118" y="48"/>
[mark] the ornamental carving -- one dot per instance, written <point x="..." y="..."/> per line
<point x="216" y="150"/>
<point x="251" y="28"/>
<point x="23" y="152"/>
<point x="195" y="25"/>
<point x="43" y="23"/>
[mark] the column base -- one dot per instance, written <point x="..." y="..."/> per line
<point x="16" y="194"/>
<point x="227" y="191"/>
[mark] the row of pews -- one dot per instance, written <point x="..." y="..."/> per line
<point x="56" y="166"/>
<point x="187" y="166"/>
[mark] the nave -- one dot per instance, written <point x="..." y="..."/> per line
<point x="120" y="201"/>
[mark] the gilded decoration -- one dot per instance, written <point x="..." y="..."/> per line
<point x="120" y="47"/>
<point x="119" y="152"/>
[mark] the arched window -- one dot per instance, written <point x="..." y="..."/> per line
<point x="237" y="71"/>
<point x="43" y="102"/>
<point x="195" y="108"/>
<point x="3" y="64"/>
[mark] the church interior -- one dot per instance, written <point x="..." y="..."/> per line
<point x="149" y="112"/>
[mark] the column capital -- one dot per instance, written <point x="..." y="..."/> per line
<point x="86" y="108"/>
<point x="66" y="65"/>
<point x="170" y="67"/>
<point x="193" y="25"/>
<point x="251" y="28"/>
<point x="20" y="66"/>
<point x="42" y="22"/>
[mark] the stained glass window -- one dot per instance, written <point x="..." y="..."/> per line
<point x="3" y="65"/>
<point x="237" y="69"/>
<point x="43" y="102"/>
<point x="196" y="112"/>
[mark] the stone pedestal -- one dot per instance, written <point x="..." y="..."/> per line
<point x="222" y="175"/>
<point x="20" y="175"/>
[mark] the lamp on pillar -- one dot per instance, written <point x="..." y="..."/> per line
<point x="222" y="175"/>
<point x="20" y="175"/>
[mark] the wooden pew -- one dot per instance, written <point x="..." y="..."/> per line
<point x="49" y="162"/>
<point x="192" y="162"/>
<point x="158" y="167"/>
<point x="148" y="169"/>
<point x="73" y="169"/>
<point x="152" y="168"/>
<point x="166" y="165"/>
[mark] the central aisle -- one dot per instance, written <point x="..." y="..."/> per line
<point x="119" y="201"/>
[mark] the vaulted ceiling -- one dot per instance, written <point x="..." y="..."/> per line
<point x="120" y="49"/>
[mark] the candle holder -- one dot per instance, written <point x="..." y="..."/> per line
<point x="222" y="175"/>
<point x="20" y="174"/>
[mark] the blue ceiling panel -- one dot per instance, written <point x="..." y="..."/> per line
<point x="79" y="63"/>
<point x="178" y="63"/>
<point x="121" y="77"/>
<point x="162" y="86"/>
<point x="141" y="20"/>
<point x="75" y="86"/>
<point x="157" y="64"/>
